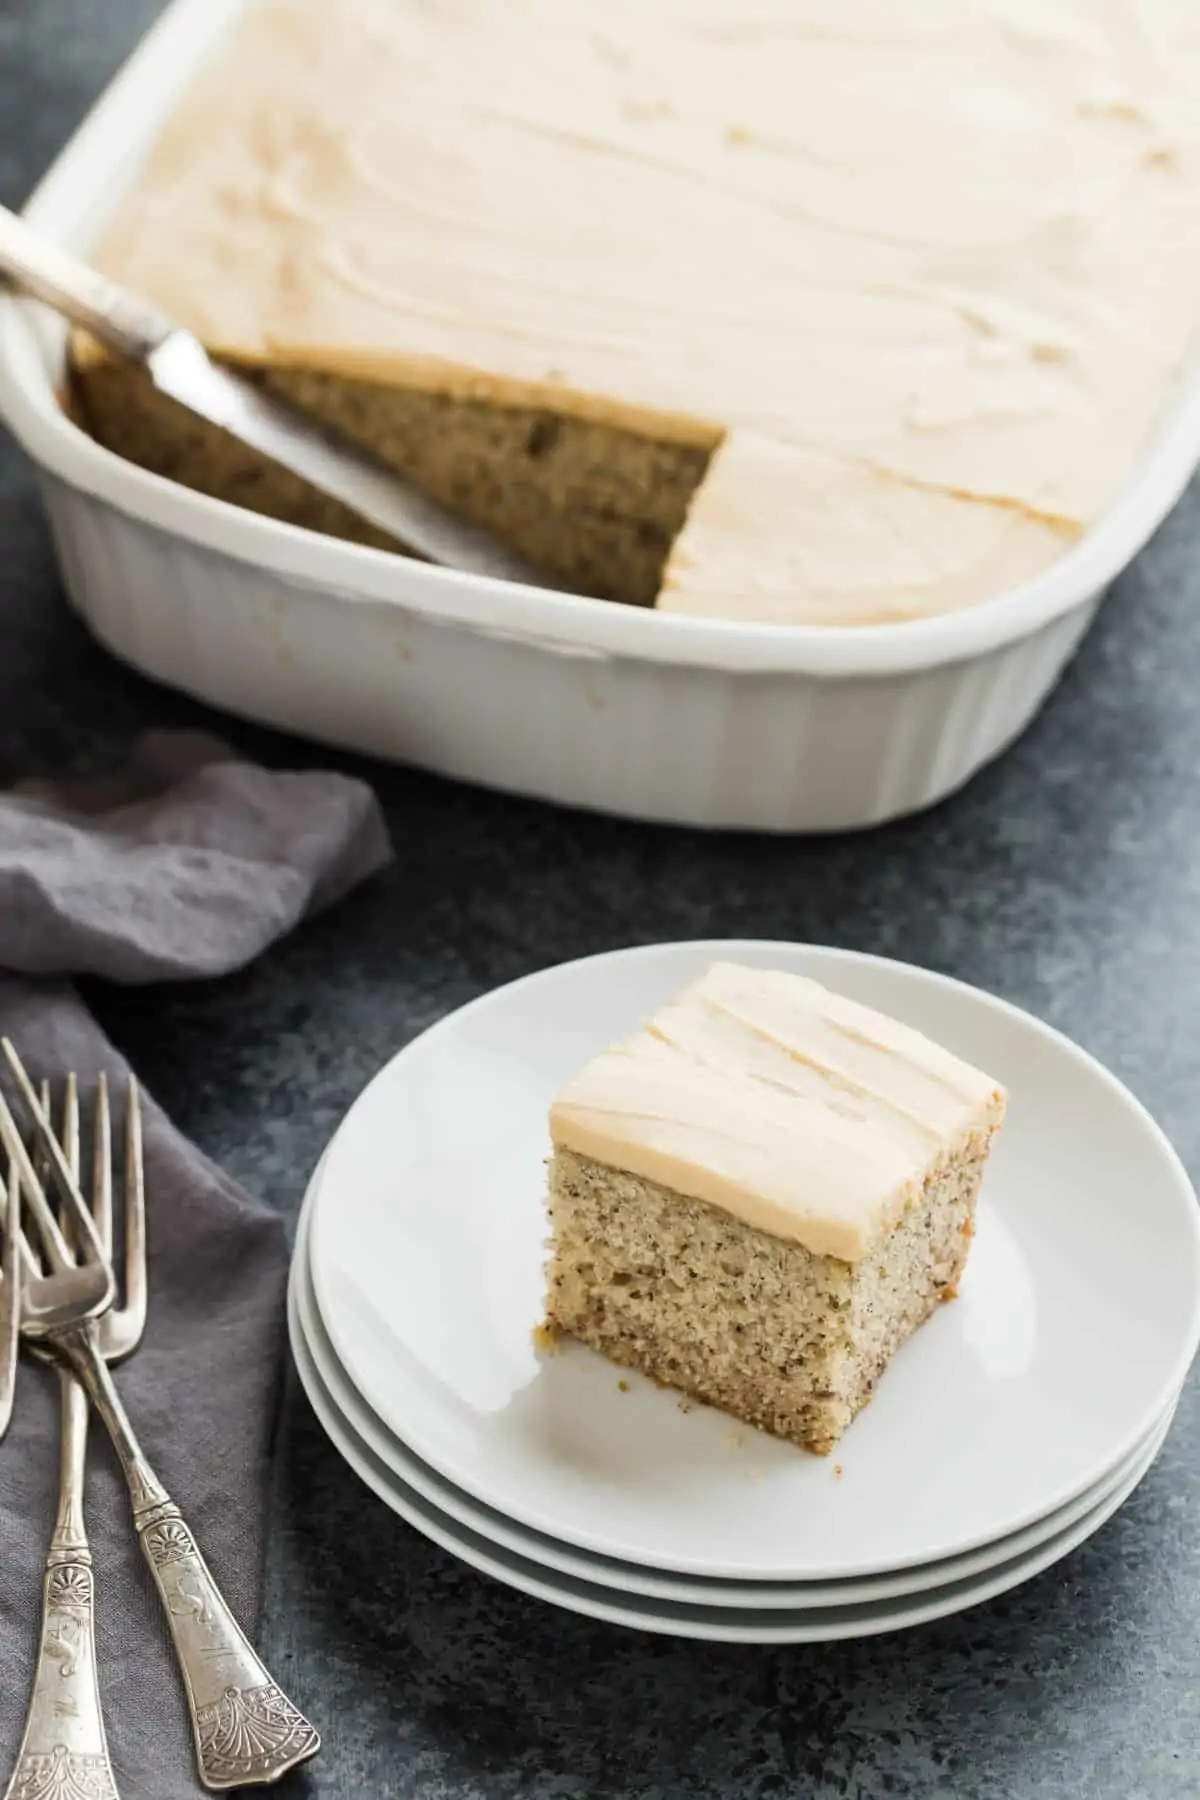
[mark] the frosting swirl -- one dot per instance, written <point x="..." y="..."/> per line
<point x="798" y="1111"/>
<point x="921" y="276"/>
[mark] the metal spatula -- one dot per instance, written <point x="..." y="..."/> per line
<point x="179" y="367"/>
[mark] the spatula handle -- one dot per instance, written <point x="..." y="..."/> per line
<point x="119" y="319"/>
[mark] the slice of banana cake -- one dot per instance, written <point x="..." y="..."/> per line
<point x="760" y="1194"/>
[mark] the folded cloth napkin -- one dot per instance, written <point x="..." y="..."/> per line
<point x="187" y="863"/>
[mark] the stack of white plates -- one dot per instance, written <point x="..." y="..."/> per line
<point x="1004" y="1434"/>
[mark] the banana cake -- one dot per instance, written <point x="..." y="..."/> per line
<point x="762" y="1193"/>
<point x="807" y="311"/>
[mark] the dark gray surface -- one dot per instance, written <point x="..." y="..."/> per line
<point x="1068" y="879"/>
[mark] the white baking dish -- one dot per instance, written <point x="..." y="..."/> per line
<point x="581" y="701"/>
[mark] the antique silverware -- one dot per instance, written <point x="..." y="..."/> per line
<point x="245" y="1728"/>
<point x="64" y="1738"/>
<point x="179" y="366"/>
<point x="10" y="1295"/>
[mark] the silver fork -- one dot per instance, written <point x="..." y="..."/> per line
<point x="10" y="1295"/>
<point x="245" y="1728"/>
<point x="64" y="1736"/>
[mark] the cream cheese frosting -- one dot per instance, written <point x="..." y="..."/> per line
<point x="922" y="276"/>
<point x="800" y="1112"/>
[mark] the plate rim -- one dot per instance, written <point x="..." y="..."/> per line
<point x="591" y="1601"/>
<point x="596" y="1541"/>
<point x="607" y="1572"/>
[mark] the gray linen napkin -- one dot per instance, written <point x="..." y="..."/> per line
<point x="187" y="863"/>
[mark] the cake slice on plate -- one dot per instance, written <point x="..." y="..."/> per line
<point x="760" y="1194"/>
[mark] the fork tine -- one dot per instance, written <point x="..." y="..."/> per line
<point x="102" y="1208"/>
<point x="69" y="1141"/>
<point x="52" y="1238"/>
<point x="70" y="1126"/>
<point x="37" y="1155"/>
<point x="41" y="1169"/>
<point x="134" y="1309"/>
<point x="81" y="1218"/>
<point x="31" y="1262"/>
<point x="10" y="1295"/>
<point x="41" y="1162"/>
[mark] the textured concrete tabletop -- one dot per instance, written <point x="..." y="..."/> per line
<point x="1067" y="878"/>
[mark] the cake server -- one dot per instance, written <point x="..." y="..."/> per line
<point x="180" y="367"/>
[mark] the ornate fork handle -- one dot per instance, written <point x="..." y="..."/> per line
<point x="246" y="1729"/>
<point x="63" y="1751"/>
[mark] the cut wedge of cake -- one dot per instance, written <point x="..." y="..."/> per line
<point x="762" y="1193"/>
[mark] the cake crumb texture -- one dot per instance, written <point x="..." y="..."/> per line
<point x="786" y="1340"/>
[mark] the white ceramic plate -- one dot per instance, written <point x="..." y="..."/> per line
<point x="1078" y="1319"/>
<point x="720" y="1624"/>
<point x="632" y="1578"/>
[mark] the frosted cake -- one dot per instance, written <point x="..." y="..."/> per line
<point x="762" y="1193"/>
<point x="810" y="311"/>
